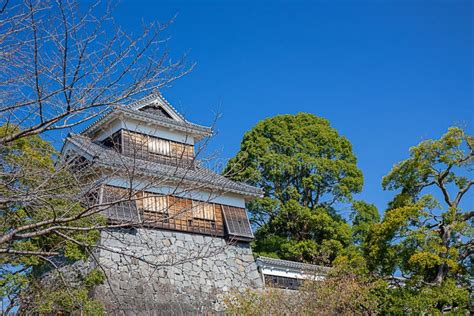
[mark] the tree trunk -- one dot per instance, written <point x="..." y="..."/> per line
<point x="443" y="268"/>
<point x="441" y="274"/>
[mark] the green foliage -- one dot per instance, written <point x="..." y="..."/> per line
<point x="363" y="216"/>
<point x="343" y="292"/>
<point x="425" y="239"/>
<point x="28" y="169"/>
<point x="418" y="235"/>
<point x="27" y="152"/>
<point x="60" y="298"/>
<point x="305" y="168"/>
<point x="297" y="233"/>
<point x="426" y="159"/>
<point x="297" y="157"/>
<point x="445" y="299"/>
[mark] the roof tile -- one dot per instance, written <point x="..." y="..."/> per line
<point x="291" y="264"/>
<point x="110" y="158"/>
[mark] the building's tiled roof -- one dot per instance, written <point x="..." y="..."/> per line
<point x="183" y="126"/>
<point x="155" y="95"/>
<point x="204" y="177"/>
<point x="133" y="111"/>
<point x="294" y="265"/>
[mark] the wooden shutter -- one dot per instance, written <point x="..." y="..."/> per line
<point x="155" y="203"/>
<point x="136" y="138"/>
<point x="237" y="223"/>
<point x="208" y="211"/>
<point x="159" y="146"/>
<point x="203" y="210"/>
<point x="119" y="211"/>
<point x="134" y="145"/>
<point x="182" y="151"/>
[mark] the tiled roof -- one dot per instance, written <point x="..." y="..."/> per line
<point x="108" y="157"/>
<point x="155" y="95"/>
<point x="148" y="117"/>
<point x="133" y="111"/>
<point x="279" y="263"/>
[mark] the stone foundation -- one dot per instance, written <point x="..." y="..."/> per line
<point x="183" y="273"/>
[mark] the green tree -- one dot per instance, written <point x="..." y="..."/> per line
<point x="35" y="242"/>
<point x="363" y="216"/>
<point x="426" y="234"/>
<point x="306" y="169"/>
<point x="62" y="64"/>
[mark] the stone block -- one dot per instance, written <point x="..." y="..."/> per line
<point x="188" y="284"/>
<point x="166" y="242"/>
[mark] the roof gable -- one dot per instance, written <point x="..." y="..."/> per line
<point x="156" y="110"/>
<point x="156" y="104"/>
<point x="153" y="109"/>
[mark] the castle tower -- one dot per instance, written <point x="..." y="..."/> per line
<point x="183" y="227"/>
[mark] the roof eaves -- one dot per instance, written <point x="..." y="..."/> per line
<point x="99" y="121"/>
<point x="290" y="264"/>
<point x="155" y="95"/>
<point x="151" y="168"/>
<point x="222" y="188"/>
<point x="185" y="126"/>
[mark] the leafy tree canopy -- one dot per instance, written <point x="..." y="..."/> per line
<point x="426" y="234"/>
<point x="305" y="168"/>
<point x="423" y="234"/>
<point x="363" y="216"/>
<point x="28" y="166"/>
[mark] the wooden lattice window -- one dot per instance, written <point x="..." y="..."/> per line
<point x="156" y="149"/>
<point x="137" y="138"/>
<point x="122" y="206"/>
<point x="155" y="203"/>
<point x="237" y="222"/>
<point x="182" y="151"/>
<point x="164" y="211"/>
<point x="203" y="210"/>
<point x="159" y="146"/>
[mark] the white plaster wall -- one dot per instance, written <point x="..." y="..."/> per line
<point x="114" y="126"/>
<point x="140" y="127"/>
<point x="296" y="274"/>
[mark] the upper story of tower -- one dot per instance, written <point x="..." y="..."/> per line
<point x="144" y="156"/>
<point x="150" y="129"/>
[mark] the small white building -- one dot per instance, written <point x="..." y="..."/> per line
<point x="287" y="274"/>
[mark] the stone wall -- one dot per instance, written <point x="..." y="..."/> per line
<point x="183" y="273"/>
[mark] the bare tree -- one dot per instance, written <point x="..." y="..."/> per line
<point x="62" y="65"/>
<point x="54" y="214"/>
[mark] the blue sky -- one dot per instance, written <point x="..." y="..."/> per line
<point x="386" y="74"/>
